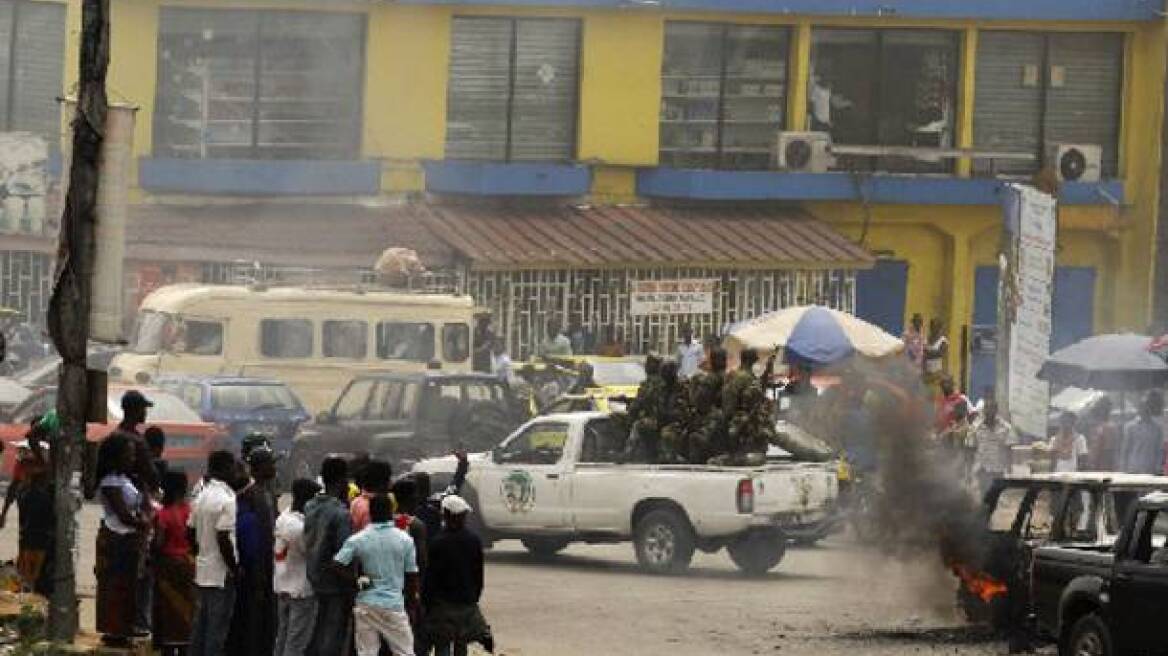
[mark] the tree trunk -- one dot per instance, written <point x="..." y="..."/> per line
<point x="68" y="316"/>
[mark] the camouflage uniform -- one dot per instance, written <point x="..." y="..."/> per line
<point x="671" y="420"/>
<point x="643" y="418"/>
<point x="749" y="427"/>
<point x="703" y="416"/>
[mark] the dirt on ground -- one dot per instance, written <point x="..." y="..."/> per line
<point x="835" y="598"/>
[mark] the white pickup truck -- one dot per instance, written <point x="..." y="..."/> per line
<point x="557" y="480"/>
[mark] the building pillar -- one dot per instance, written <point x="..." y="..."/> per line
<point x="960" y="311"/>
<point x="800" y="67"/>
<point x="965" y="99"/>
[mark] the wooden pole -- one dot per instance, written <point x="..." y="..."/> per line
<point x="68" y="316"/>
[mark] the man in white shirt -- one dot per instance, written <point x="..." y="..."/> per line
<point x="557" y="344"/>
<point x="212" y="523"/>
<point x="689" y="354"/>
<point x="295" y="603"/>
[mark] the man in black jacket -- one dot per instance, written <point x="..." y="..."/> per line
<point x="453" y="583"/>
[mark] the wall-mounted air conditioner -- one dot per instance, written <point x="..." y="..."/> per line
<point x="1075" y="162"/>
<point x="806" y="152"/>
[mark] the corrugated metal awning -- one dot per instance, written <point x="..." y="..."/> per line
<point x="546" y="236"/>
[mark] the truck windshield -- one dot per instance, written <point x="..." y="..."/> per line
<point x="252" y="397"/>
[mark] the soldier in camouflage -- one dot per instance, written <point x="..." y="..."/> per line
<point x="643" y="413"/>
<point x="671" y="414"/>
<point x="748" y="411"/>
<point x="703" y="416"/>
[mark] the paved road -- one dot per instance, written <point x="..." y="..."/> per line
<point x="832" y="599"/>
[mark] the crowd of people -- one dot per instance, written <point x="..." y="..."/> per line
<point x="357" y="560"/>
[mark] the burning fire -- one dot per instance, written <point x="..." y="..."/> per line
<point x="984" y="586"/>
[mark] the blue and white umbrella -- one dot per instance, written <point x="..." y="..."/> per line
<point x="813" y="335"/>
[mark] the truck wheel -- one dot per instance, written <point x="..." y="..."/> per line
<point x="664" y="542"/>
<point x="544" y="547"/>
<point x="1088" y="637"/>
<point x="757" y="553"/>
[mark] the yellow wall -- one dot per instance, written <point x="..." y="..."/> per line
<point x="405" y="111"/>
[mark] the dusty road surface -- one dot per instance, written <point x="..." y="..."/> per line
<point x="833" y="599"/>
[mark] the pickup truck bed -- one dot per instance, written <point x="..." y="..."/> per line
<point x="557" y="480"/>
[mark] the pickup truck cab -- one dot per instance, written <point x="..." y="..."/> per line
<point x="560" y="479"/>
<point x="1098" y="602"/>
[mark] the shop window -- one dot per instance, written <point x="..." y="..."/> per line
<point x="723" y="94"/>
<point x="513" y="89"/>
<point x="1034" y="90"/>
<point x="345" y="339"/>
<point x="885" y="88"/>
<point x="259" y="84"/>
<point x="413" y="342"/>
<point x="286" y="338"/>
<point x="31" y="67"/>
<point x="455" y="342"/>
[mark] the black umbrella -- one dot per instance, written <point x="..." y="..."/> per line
<point x="1107" y="362"/>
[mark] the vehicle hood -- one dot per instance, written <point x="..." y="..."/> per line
<point x="447" y="464"/>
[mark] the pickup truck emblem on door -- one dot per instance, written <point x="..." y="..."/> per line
<point x="518" y="491"/>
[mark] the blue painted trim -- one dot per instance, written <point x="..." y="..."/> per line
<point x="906" y="189"/>
<point x="248" y="177"/>
<point x="502" y="179"/>
<point x="1038" y="10"/>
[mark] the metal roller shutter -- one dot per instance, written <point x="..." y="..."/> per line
<point x="543" y="123"/>
<point x="32" y="82"/>
<point x="1007" y="106"/>
<point x="1084" y="107"/>
<point x="479" y="88"/>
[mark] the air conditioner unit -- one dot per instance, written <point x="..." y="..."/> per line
<point x="807" y="152"/>
<point x="1075" y="162"/>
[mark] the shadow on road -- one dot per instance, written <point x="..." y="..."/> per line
<point x="958" y="635"/>
<point x="586" y="564"/>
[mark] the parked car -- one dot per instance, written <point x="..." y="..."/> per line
<point x="1096" y="601"/>
<point x="616" y="379"/>
<point x="189" y="439"/>
<point x="558" y="479"/>
<point x="1021" y="514"/>
<point x="242" y="406"/>
<point x="405" y="417"/>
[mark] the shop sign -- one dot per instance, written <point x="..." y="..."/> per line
<point x="666" y="297"/>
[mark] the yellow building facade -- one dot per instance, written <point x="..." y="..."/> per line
<point x="942" y="243"/>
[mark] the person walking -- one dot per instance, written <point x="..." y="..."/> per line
<point x="1142" y="448"/>
<point x="453" y="585"/>
<point x="388" y="585"/>
<point x="1103" y="437"/>
<point x="1068" y="448"/>
<point x="556" y="344"/>
<point x="295" y="603"/>
<point x="253" y="626"/>
<point x="327" y="525"/>
<point x="213" y="519"/>
<point x="174" y="568"/>
<point x="914" y="342"/>
<point x="34" y="502"/>
<point x="120" y="542"/>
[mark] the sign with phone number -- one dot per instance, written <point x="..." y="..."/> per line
<point x="664" y="297"/>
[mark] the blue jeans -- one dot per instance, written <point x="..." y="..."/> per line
<point x="213" y="610"/>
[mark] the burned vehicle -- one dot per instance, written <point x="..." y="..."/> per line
<point x="1108" y="601"/>
<point x="1022" y="514"/>
<point x="403" y="418"/>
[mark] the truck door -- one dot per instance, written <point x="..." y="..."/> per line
<point x="596" y="480"/>
<point x="1139" y="588"/>
<point x="525" y="487"/>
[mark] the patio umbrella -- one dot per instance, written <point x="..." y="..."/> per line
<point x="813" y="335"/>
<point x="1107" y="362"/>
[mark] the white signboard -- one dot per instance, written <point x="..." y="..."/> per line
<point x="657" y="297"/>
<point x="23" y="181"/>
<point x="1029" y="289"/>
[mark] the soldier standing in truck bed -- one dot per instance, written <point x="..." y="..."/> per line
<point x="643" y="413"/>
<point x="747" y="410"/>
<point x="703" y="417"/>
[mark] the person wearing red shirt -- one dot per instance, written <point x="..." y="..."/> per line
<point x="174" y="568"/>
<point x="947" y="404"/>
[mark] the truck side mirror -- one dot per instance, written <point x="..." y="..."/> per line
<point x="496" y="455"/>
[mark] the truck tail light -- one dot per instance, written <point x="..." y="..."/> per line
<point x="745" y="496"/>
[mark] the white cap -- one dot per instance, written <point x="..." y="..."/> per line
<point x="455" y="505"/>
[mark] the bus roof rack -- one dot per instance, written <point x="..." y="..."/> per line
<point x="264" y="276"/>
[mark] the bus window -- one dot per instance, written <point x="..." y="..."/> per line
<point x="405" y="341"/>
<point x="455" y="342"/>
<point x="286" y="338"/>
<point x="345" y="339"/>
<point x="200" y="337"/>
<point x="150" y="332"/>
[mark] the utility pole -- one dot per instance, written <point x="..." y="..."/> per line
<point x="68" y="316"/>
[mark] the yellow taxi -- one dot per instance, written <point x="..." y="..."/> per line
<point x="614" y="378"/>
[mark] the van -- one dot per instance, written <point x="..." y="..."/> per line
<point x="313" y="339"/>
